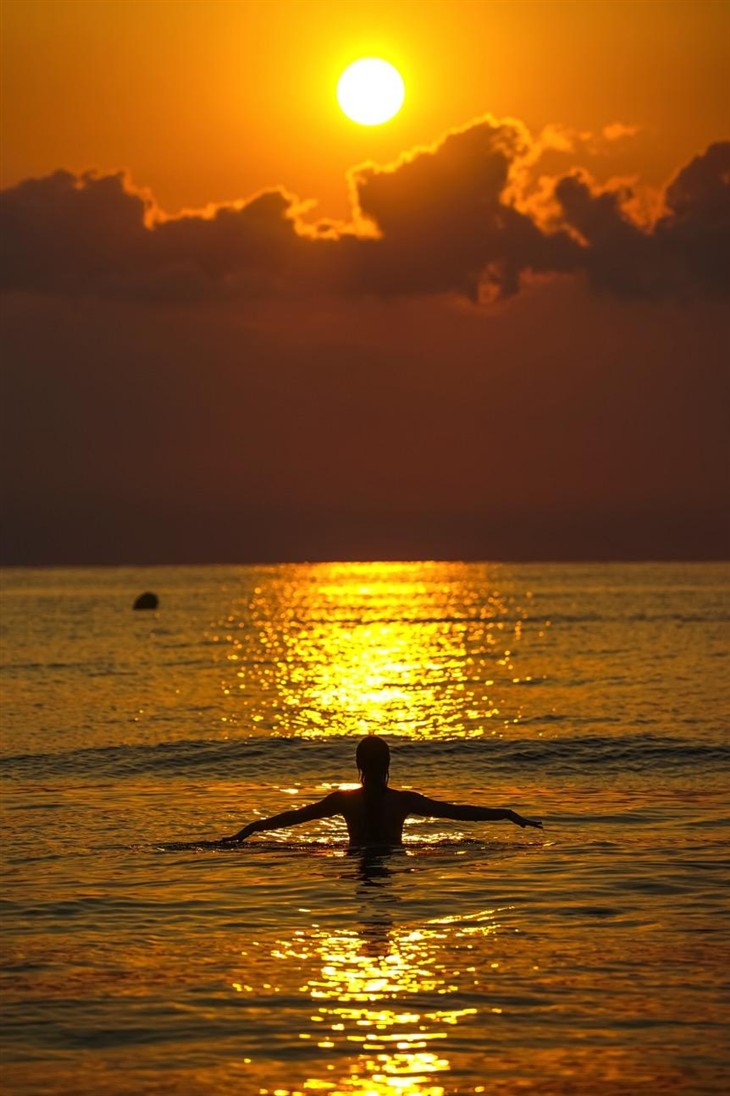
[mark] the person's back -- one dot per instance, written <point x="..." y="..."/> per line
<point x="375" y="813"/>
<point x="374" y="816"/>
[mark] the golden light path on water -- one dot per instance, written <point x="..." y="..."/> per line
<point x="367" y="991"/>
<point x="357" y="649"/>
<point x="378" y="648"/>
<point x="408" y="652"/>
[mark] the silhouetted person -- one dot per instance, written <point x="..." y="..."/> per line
<point x="375" y="813"/>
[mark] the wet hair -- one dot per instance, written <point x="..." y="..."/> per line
<point x="373" y="760"/>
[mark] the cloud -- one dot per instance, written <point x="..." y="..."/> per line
<point x="65" y="233"/>
<point x="618" y="255"/>
<point x="445" y="223"/>
<point x="99" y="235"/>
<point x="686" y="251"/>
<point x="464" y="216"/>
<point x="696" y="227"/>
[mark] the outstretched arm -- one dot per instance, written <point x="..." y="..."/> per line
<point x="325" y="808"/>
<point x="434" y="808"/>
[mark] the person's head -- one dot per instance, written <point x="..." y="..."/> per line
<point x="373" y="760"/>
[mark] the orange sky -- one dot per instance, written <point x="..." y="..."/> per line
<point x="524" y="357"/>
<point x="211" y="101"/>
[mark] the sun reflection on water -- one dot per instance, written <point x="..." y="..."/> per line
<point x="418" y="649"/>
<point x="377" y="1027"/>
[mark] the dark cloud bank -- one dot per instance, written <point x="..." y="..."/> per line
<point x="448" y="221"/>
<point x="250" y="384"/>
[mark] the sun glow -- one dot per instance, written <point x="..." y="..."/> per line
<point x="370" y="91"/>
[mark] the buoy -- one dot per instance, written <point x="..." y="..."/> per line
<point x="147" y="601"/>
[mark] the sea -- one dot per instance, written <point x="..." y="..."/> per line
<point x="142" y="957"/>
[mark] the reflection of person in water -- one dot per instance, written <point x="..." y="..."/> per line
<point x="376" y="900"/>
<point x="375" y="813"/>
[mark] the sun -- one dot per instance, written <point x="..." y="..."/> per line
<point x="370" y="91"/>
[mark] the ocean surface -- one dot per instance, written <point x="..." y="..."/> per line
<point x="589" y="958"/>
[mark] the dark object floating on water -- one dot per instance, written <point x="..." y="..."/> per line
<point x="147" y="601"/>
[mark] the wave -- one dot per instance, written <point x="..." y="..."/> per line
<point x="264" y="759"/>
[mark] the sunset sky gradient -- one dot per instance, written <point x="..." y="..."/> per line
<point x="239" y="327"/>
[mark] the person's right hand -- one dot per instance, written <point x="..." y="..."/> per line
<point x="237" y="838"/>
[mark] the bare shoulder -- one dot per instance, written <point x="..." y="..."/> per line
<point x="336" y="799"/>
<point x="409" y="801"/>
<point x="344" y="798"/>
<point x="324" y="808"/>
<point x="419" y="804"/>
